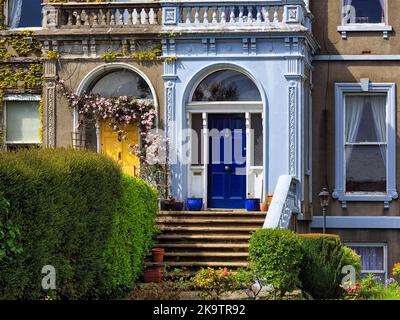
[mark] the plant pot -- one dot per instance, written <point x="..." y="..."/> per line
<point x="269" y="199"/>
<point x="178" y="205"/>
<point x="253" y="204"/>
<point x="263" y="206"/>
<point x="194" y="204"/>
<point x="167" y="205"/>
<point x="158" y="254"/>
<point x="152" y="275"/>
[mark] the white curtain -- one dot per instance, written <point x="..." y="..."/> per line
<point x="378" y="107"/>
<point x="371" y="258"/>
<point x="14" y="11"/>
<point x="22" y="121"/>
<point x="347" y="11"/>
<point x="382" y="2"/>
<point x="354" y="111"/>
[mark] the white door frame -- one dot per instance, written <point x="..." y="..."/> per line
<point x="206" y="108"/>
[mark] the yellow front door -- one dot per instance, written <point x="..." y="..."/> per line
<point x="119" y="150"/>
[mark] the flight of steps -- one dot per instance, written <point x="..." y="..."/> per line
<point x="206" y="238"/>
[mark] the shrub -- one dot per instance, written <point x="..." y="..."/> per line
<point x="247" y="279"/>
<point x="373" y="289"/>
<point x="131" y="239"/>
<point x="323" y="259"/>
<point x="275" y="255"/>
<point x="71" y="208"/>
<point x="9" y="234"/>
<point x="396" y="269"/>
<point x="214" y="282"/>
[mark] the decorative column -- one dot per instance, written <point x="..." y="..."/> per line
<point x="205" y="158"/>
<point x="49" y="104"/>
<point x="295" y="76"/>
<point x="249" y="151"/>
<point x="292" y="129"/>
<point x="169" y="77"/>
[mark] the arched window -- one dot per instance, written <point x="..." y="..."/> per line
<point x="116" y="83"/>
<point x="122" y="83"/>
<point x="226" y="85"/>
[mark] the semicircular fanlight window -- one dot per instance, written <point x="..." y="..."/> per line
<point x="122" y="83"/>
<point x="226" y="85"/>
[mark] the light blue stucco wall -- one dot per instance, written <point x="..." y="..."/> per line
<point x="274" y="64"/>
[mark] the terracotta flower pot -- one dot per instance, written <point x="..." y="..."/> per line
<point x="269" y="199"/>
<point x="158" y="254"/>
<point x="264" y="207"/>
<point x="152" y="275"/>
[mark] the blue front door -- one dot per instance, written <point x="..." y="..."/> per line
<point x="227" y="161"/>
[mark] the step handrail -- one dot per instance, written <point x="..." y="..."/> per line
<point x="285" y="202"/>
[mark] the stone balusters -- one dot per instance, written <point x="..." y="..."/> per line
<point x="99" y="15"/>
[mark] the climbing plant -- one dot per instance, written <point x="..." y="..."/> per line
<point x="18" y="75"/>
<point x="117" y="111"/>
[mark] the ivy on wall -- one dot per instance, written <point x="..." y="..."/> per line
<point x="2" y="22"/>
<point x="20" y="68"/>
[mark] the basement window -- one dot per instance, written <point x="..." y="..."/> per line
<point x="373" y="259"/>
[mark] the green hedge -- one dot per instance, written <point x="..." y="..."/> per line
<point x="132" y="232"/>
<point x="324" y="256"/>
<point x="311" y="262"/>
<point x="275" y="256"/>
<point x="76" y="212"/>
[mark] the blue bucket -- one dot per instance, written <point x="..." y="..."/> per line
<point x="253" y="204"/>
<point x="194" y="204"/>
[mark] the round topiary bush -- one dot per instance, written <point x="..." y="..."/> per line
<point x="324" y="256"/>
<point x="275" y="255"/>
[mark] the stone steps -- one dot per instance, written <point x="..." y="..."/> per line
<point x="194" y="240"/>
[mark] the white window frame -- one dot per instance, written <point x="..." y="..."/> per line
<point x="18" y="98"/>
<point x="373" y="245"/>
<point x="341" y="89"/>
<point x="6" y="21"/>
<point x="380" y="27"/>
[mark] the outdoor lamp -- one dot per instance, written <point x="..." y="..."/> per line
<point x="324" y="202"/>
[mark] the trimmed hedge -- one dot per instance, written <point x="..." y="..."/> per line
<point x="324" y="256"/>
<point x="132" y="231"/>
<point x="76" y="212"/>
<point x="311" y="262"/>
<point x="275" y="256"/>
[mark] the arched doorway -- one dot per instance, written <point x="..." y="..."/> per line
<point x="99" y="135"/>
<point x="228" y="106"/>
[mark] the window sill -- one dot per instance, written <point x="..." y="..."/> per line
<point x="360" y="197"/>
<point x="365" y="28"/>
<point x="25" y="29"/>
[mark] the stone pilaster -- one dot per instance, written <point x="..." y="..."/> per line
<point x="49" y="104"/>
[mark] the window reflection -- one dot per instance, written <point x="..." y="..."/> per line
<point x="226" y="85"/>
<point x="24" y="13"/>
<point x="122" y="83"/>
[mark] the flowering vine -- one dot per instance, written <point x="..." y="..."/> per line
<point x="117" y="111"/>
